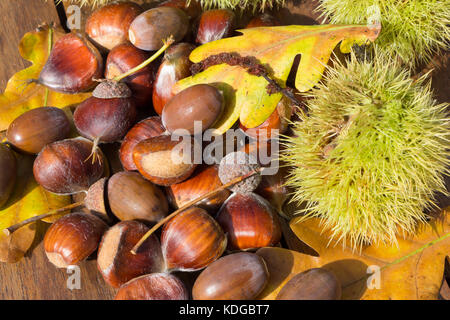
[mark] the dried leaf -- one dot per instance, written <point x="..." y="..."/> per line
<point x="417" y="277"/>
<point x="444" y="292"/>
<point x="246" y="96"/>
<point x="19" y="97"/>
<point x="27" y="200"/>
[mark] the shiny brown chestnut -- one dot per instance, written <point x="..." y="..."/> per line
<point x="34" y="129"/>
<point x="203" y="180"/>
<point x="123" y="58"/>
<point x="312" y="284"/>
<point x="192" y="240"/>
<point x="73" y="238"/>
<point x="174" y="67"/>
<point x="8" y="169"/>
<point x="263" y="20"/>
<point x="72" y="66"/>
<point x="192" y="8"/>
<point x="164" y="161"/>
<point x="145" y="129"/>
<point x="108" y="25"/>
<point x="215" y="25"/>
<point x="155" y="286"/>
<point x="115" y="261"/>
<point x="238" y="276"/>
<point x="200" y="103"/>
<point x="132" y="197"/>
<point x="152" y="27"/>
<point x="249" y="222"/>
<point x="61" y="166"/>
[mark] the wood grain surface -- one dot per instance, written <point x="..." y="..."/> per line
<point x="34" y="277"/>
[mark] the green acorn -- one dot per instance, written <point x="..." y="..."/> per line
<point x="411" y="29"/>
<point x="371" y="153"/>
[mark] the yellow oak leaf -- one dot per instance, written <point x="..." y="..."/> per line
<point x="246" y="96"/>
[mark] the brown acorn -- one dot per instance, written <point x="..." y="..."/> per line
<point x="61" y="166"/>
<point x="115" y="261"/>
<point x="108" y="26"/>
<point x="145" y="129"/>
<point x="152" y="27"/>
<point x="155" y="286"/>
<point x="174" y="67"/>
<point x="203" y="180"/>
<point x="72" y="66"/>
<point x="215" y="25"/>
<point x="192" y="240"/>
<point x="238" y="276"/>
<point x="73" y="238"/>
<point x="8" y="169"/>
<point x="34" y="129"/>
<point x="249" y="222"/>
<point x="123" y="58"/>
<point x="163" y="161"/>
<point x="312" y="284"/>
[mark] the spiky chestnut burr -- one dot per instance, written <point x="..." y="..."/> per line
<point x="372" y="152"/>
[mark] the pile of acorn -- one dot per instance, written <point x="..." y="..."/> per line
<point x="122" y="208"/>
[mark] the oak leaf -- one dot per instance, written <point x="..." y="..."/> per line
<point x="246" y="96"/>
<point x="419" y="276"/>
<point x="20" y="95"/>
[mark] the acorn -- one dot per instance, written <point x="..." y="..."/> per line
<point x="312" y="284"/>
<point x="192" y="240"/>
<point x="203" y="180"/>
<point x="155" y="286"/>
<point x="152" y="27"/>
<point x="108" y="26"/>
<point x="238" y="276"/>
<point x="125" y="57"/>
<point x="174" y="67"/>
<point x="115" y="261"/>
<point x="34" y="129"/>
<point x="249" y="222"/>
<point x="8" y="169"/>
<point x="215" y="25"/>
<point x="61" y="166"/>
<point x="164" y="161"/>
<point x="108" y="114"/>
<point x="263" y="20"/>
<point x="201" y="103"/>
<point x="72" y="66"/>
<point x="145" y="129"/>
<point x="73" y="238"/>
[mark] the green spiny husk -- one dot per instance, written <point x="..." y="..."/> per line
<point x="371" y="153"/>
<point x="411" y="29"/>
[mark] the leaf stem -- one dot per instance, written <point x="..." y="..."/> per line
<point x="8" y="231"/>
<point x="49" y="48"/>
<point x="191" y="203"/>
<point x="167" y="43"/>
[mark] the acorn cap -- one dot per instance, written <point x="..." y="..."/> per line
<point x="236" y="164"/>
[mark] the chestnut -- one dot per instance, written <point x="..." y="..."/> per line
<point x="152" y="27"/>
<point x="34" y="129"/>
<point x="174" y="67"/>
<point x="249" y="222"/>
<point x="191" y="7"/>
<point x="132" y="197"/>
<point x="8" y="169"/>
<point x="61" y="166"/>
<point x="201" y="102"/>
<point x="145" y="129"/>
<point x="203" y="180"/>
<point x="108" y="25"/>
<point x="238" y="276"/>
<point x="263" y="20"/>
<point x="73" y="238"/>
<point x="125" y="57"/>
<point x="215" y="25"/>
<point x="72" y="66"/>
<point x="115" y="261"/>
<point x="312" y="284"/>
<point x="155" y="286"/>
<point x="192" y="240"/>
<point x="164" y="161"/>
